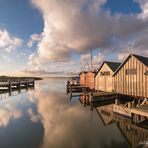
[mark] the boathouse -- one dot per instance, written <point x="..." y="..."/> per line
<point x="83" y="78"/>
<point x="90" y="79"/>
<point x="131" y="78"/>
<point x="104" y="76"/>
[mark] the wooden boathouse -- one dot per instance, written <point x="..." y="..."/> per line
<point x="90" y="79"/>
<point x="83" y="78"/>
<point x="131" y="78"/>
<point x="104" y="76"/>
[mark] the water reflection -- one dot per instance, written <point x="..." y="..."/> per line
<point x="67" y="124"/>
<point x="136" y="134"/>
<point x="44" y="118"/>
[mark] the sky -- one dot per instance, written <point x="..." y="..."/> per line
<point x="57" y="37"/>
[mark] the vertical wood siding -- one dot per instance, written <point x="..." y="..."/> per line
<point x="135" y="84"/>
<point x="83" y="78"/>
<point x="104" y="82"/>
<point x="90" y="82"/>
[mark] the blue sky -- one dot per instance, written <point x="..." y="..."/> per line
<point x="122" y="6"/>
<point x="20" y="18"/>
<point x="50" y="36"/>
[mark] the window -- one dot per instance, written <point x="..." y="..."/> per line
<point x="105" y="73"/>
<point x="130" y="71"/>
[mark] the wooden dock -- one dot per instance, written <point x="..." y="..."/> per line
<point x="19" y="83"/>
<point x="76" y="88"/>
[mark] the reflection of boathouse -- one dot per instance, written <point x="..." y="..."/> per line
<point x="131" y="78"/>
<point x="104" y="77"/>
<point x="135" y="134"/>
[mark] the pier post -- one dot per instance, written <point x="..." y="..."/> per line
<point x="19" y="85"/>
<point x="9" y="87"/>
<point x="33" y="83"/>
<point x="129" y="104"/>
<point x="27" y="84"/>
<point x="116" y="101"/>
<point x="139" y="102"/>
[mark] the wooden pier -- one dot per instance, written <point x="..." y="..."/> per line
<point x="76" y="88"/>
<point x="16" y="83"/>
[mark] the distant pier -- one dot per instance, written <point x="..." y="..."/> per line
<point x="17" y="83"/>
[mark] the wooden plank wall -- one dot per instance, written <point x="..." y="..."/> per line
<point x="83" y="78"/>
<point x="132" y="84"/>
<point x="90" y="80"/>
<point x="104" y="82"/>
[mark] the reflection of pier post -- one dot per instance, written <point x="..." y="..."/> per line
<point x="33" y="83"/>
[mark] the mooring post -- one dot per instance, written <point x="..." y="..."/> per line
<point x="70" y="93"/>
<point x="91" y="100"/>
<point x="19" y="85"/>
<point x="9" y="87"/>
<point x="139" y="102"/>
<point x="116" y="101"/>
<point x="132" y="117"/>
<point x="90" y="96"/>
<point x="27" y="83"/>
<point x="33" y="82"/>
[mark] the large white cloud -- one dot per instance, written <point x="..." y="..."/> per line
<point x="8" y="42"/>
<point x="82" y="25"/>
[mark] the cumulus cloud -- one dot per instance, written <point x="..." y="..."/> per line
<point x="81" y="26"/>
<point x="8" y="42"/>
<point x="34" y="117"/>
<point x="33" y="38"/>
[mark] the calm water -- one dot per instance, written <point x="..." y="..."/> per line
<point x="46" y="118"/>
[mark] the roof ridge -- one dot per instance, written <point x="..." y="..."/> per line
<point x="139" y="56"/>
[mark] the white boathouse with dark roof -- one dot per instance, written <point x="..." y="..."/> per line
<point x="104" y="76"/>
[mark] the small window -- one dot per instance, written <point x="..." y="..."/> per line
<point x="104" y="73"/>
<point x="131" y="71"/>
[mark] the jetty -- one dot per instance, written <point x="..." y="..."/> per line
<point x="16" y="83"/>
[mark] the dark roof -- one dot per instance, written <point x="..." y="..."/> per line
<point x="87" y="72"/>
<point x="144" y="60"/>
<point x="112" y="65"/>
<point x="82" y="72"/>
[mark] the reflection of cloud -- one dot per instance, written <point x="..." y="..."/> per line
<point x="34" y="117"/>
<point x="8" y="113"/>
<point x="68" y="125"/>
